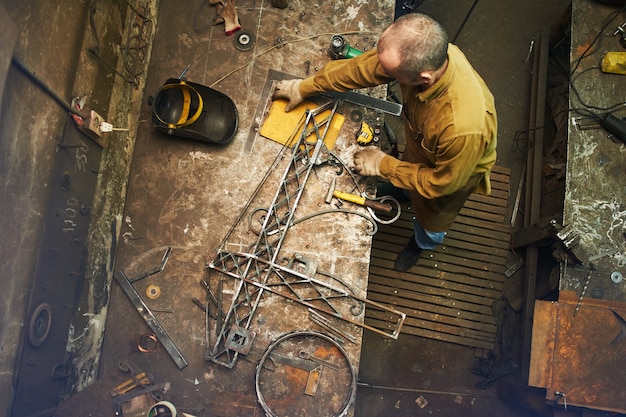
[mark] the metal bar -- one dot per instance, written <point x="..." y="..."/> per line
<point x="278" y="218"/>
<point x="353" y="97"/>
<point x="326" y="302"/>
<point x="150" y="320"/>
<point x="154" y="270"/>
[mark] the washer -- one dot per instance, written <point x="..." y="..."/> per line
<point x="617" y="277"/>
<point x="244" y="40"/>
<point x="153" y="291"/>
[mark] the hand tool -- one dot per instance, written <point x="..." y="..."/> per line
<point x="156" y="391"/>
<point x="142" y="378"/>
<point x="365" y="134"/>
<point x="363" y="201"/>
<point x="303" y="354"/>
<point x="615" y="125"/>
<point x="339" y="48"/>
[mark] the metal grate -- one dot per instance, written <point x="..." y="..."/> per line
<point x="448" y="294"/>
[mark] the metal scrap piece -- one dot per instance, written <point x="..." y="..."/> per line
<point x="150" y="320"/>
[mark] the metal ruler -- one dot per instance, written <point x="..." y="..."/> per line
<point x="353" y="97"/>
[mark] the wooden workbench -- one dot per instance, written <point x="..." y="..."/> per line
<point x="575" y="349"/>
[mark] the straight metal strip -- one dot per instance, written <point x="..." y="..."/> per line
<point x="150" y="320"/>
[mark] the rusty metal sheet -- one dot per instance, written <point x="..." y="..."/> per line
<point x="581" y="357"/>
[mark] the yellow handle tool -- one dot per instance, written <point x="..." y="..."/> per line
<point x="142" y="378"/>
<point x="362" y="201"/>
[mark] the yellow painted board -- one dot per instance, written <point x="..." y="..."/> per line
<point x="279" y="125"/>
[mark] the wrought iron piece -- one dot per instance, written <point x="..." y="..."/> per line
<point x="240" y="339"/>
<point x="341" y="381"/>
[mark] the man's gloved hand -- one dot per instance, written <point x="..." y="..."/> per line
<point x="290" y="90"/>
<point x="368" y="160"/>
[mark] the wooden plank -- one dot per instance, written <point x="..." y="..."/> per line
<point x="426" y="263"/>
<point x="443" y="328"/>
<point x="471" y="267"/>
<point x="436" y="335"/>
<point x="469" y="212"/>
<point x="412" y="307"/>
<point x="502" y="170"/>
<point x="485" y="207"/>
<point x="456" y="239"/>
<point x="448" y="294"/>
<point x="441" y="279"/>
<point x="488" y="199"/>
<point x="477" y="243"/>
<point x="423" y="270"/>
<point x="429" y="298"/>
<point x="432" y="286"/>
<point x="470" y="226"/>
<point x="474" y="227"/>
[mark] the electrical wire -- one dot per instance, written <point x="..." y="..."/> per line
<point x="467" y="16"/>
<point x="590" y="109"/>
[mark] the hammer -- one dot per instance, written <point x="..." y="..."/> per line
<point x="356" y="199"/>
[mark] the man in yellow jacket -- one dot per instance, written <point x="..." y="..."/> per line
<point x="450" y="123"/>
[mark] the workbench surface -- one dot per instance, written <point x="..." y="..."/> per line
<point x="595" y="195"/>
<point x="188" y="196"/>
<point x="577" y="348"/>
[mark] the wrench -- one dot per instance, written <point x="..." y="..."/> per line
<point x="303" y="354"/>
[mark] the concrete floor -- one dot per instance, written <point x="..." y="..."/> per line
<point x="496" y="39"/>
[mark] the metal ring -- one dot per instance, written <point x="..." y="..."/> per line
<point x="617" y="277"/>
<point x="40" y="324"/>
<point x="147" y="343"/>
<point x="153" y="291"/>
<point x="308" y="333"/>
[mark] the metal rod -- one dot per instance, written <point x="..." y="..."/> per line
<point x="66" y="106"/>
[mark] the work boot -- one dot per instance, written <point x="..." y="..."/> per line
<point x="408" y="256"/>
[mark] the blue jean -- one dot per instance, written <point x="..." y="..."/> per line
<point x="424" y="239"/>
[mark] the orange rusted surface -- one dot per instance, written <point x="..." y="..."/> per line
<point x="580" y="356"/>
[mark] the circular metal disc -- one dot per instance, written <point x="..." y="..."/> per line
<point x="244" y="40"/>
<point x="40" y="324"/>
<point x="617" y="277"/>
<point x="153" y="291"/>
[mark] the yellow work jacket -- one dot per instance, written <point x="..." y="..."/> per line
<point x="451" y="131"/>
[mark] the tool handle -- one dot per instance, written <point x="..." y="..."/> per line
<point x="362" y="201"/>
<point x="378" y="206"/>
<point x="615" y="125"/>
<point x="356" y="199"/>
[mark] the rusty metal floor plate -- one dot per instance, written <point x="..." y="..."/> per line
<point x="448" y="294"/>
